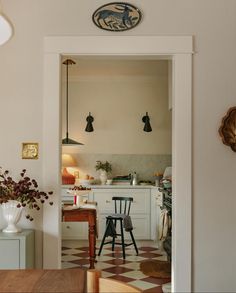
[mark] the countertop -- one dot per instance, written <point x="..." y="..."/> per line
<point x="113" y="186"/>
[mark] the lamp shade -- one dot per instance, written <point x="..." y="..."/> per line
<point x="5" y="29"/>
<point x="68" y="161"/>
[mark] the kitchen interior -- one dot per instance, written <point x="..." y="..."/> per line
<point x="119" y="109"/>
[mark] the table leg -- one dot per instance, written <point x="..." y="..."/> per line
<point x="92" y="244"/>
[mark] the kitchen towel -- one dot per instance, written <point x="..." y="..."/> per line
<point x="128" y="226"/>
<point x="164" y="224"/>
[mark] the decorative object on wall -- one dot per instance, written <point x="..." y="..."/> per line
<point x="68" y="161"/>
<point x="227" y="129"/>
<point x="15" y="195"/>
<point x="6" y="29"/>
<point x="117" y="16"/>
<point x="89" y="126"/>
<point x="67" y="140"/>
<point x="146" y="121"/>
<point x="30" y="150"/>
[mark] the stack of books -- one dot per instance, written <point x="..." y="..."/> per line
<point x="121" y="180"/>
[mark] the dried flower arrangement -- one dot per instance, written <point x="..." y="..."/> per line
<point x="25" y="191"/>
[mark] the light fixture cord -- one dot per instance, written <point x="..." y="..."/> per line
<point x="67" y="107"/>
<point x="1" y="7"/>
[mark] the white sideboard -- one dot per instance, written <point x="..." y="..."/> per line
<point x="17" y="250"/>
<point x="143" y="211"/>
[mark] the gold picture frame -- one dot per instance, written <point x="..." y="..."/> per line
<point x="30" y="150"/>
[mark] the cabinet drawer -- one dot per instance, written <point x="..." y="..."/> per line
<point x="140" y="204"/>
<point x="69" y="198"/>
<point x="10" y="254"/>
<point x="17" y="250"/>
<point x="141" y="224"/>
<point x="74" y="230"/>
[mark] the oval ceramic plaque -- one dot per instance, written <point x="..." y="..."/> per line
<point x="117" y="16"/>
<point x="227" y="129"/>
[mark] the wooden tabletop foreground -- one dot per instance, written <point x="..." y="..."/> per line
<point x="43" y="281"/>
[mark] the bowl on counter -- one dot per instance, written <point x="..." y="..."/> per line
<point x="84" y="182"/>
<point x="145" y="182"/>
<point x="109" y="182"/>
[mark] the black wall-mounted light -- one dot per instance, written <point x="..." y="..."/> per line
<point x="89" y="126"/>
<point x="67" y="140"/>
<point x="147" y="126"/>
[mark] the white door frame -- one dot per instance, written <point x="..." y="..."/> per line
<point x="177" y="48"/>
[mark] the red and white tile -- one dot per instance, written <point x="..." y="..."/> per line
<point x="75" y="254"/>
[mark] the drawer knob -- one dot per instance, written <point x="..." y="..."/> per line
<point x="67" y="227"/>
<point x="108" y="201"/>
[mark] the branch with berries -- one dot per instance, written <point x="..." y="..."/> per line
<point x="25" y="191"/>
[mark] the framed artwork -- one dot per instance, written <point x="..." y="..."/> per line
<point x="30" y="150"/>
<point x="117" y="16"/>
<point x="227" y="129"/>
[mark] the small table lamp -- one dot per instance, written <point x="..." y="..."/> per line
<point x="68" y="161"/>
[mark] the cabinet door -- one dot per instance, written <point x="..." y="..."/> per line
<point x="10" y="254"/>
<point x="140" y="204"/>
<point x="141" y="224"/>
<point x="75" y="230"/>
<point x="69" y="198"/>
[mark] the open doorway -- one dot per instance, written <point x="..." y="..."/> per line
<point x="118" y="92"/>
<point x="179" y="50"/>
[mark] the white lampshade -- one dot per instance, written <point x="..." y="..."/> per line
<point x="5" y="29"/>
<point x="68" y="161"/>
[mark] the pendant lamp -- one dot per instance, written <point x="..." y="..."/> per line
<point x="67" y="140"/>
<point x="5" y="28"/>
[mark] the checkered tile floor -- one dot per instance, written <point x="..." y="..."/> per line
<point x="75" y="254"/>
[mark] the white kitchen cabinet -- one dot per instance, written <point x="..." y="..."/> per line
<point x="74" y="230"/>
<point x="140" y="208"/>
<point x="17" y="250"/>
<point x="144" y="211"/>
<point x="141" y="224"/>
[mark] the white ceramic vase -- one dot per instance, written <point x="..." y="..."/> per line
<point x="11" y="214"/>
<point x="103" y="177"/>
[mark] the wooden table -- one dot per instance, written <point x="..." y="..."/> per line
<point x="84" y="215"/>
<point x="43" y="281"/>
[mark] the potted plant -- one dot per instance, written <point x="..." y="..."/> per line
<point x="17" y="194"/>
<point x="104" y="168"/>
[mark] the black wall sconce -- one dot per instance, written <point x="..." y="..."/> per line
<point x="89" y="126"/>
<point x="147" y="126"/>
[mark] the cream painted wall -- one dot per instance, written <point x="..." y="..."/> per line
<point x="118" y="93"/>
<point x="213" y="24"/>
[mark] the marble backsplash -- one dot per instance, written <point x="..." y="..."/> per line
<point x="123" y="164"/>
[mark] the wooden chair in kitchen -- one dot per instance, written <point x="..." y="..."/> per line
<point x="121" y="215"/>
<point x="97" y="284"/>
